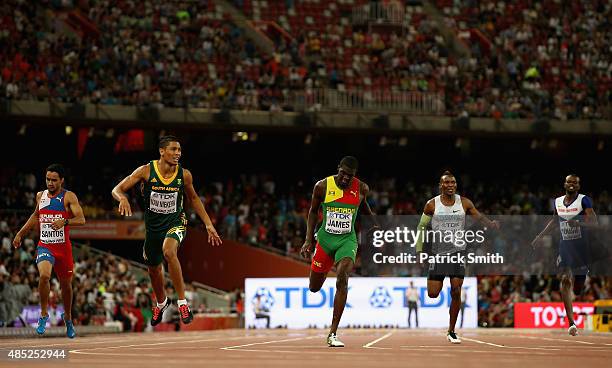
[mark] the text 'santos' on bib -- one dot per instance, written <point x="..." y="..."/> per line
<point x="47" y="234"/>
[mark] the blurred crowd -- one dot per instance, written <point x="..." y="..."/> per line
<point x="550" y="59"/>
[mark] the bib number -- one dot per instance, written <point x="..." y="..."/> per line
<point x="339" y="223"/>
<point x="570" y="232"/>
<point x="163" y="203"/>
<point x="50" y="236"/>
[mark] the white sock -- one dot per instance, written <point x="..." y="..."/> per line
<point x="181" y="302"/>
<point x="161" y="305"/>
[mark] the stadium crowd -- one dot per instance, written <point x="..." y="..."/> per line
<point x="534" y="60"/>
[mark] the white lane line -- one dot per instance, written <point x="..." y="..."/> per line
<point x="495" y="352"/>
<point x="89" y="350"/>
<point x="369" y="345"/>
<point x="115" y="354"/>
<point x="67" y="343"/>
<point x="482" y="342"/>
<point x="468" y="346"/>
<point x="323" y="350"/>
<point x="551" y="339"/>
<point x="426" y="346"/>
<point x="270" y="342"/>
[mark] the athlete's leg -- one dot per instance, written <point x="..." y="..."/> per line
<point x="455" y="306"/>
<point x="434" y="286"/>
<point x="343" y="269"/>
<point x="321" y="264"/>
<point x="567" y="295"/>
<point x="44" y="272"/>
<point x="316" y="280"/>
<point x="66" y="285"/>
<point x="170" y="249"/>
<point x="156" y="273"/>
<point x="154" y="259"/>
<point x="579" y="281"/>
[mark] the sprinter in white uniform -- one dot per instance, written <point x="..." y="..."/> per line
<point x="446" y="213"/>
<point x="574" y="214"/>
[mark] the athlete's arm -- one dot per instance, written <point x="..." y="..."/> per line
<point x="471" y="210"/>
<point x="317" y="197"/>
<point x="428" y="212"/>
<point x="365" y="190"/>
<point x="196" y="203"/>
<point x="550" y="225"/>
<point x="590" y="218"/>
<point x="32" y="221"/>
<point x="120" y="190"/>
<point x="78" y="218"/>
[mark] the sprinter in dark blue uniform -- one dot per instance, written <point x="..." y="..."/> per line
<point x="573" y="215"/>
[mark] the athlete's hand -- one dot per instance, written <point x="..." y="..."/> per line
<point x="17" y="241"/>
<point x="124" y="207"/>
<point x="213" y="237"/>
<point x="58" y="224"/>
<point x="307" y="249"/>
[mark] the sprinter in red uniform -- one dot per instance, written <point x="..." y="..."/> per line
<point x="56" y="210"/>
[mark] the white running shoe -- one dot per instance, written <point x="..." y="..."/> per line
<point x="333" y="342"/>
<point x="452" y="338"/>
<point x="572" y="330"/>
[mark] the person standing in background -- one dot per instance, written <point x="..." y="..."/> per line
<point x="412" y="297"/>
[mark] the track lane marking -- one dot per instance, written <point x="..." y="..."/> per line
<point x="369" y="345"/>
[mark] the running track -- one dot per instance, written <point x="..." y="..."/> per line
<point x="379" y="348"/>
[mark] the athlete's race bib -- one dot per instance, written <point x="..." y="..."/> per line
<point x="339" y="223"/>
<point x="570" y="232"/>
<point x="50" y="236"/>
<point x="163" y="203"/>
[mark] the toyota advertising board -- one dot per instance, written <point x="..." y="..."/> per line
<point x="549" y="315"/>
<point x="374" y="302"/>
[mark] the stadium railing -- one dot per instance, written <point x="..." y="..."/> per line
<point x="377" y="13"/>
<point x="425" y="103"/>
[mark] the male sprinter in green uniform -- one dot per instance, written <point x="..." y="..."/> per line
<point x="340" y="195"/>
<point x="165" y="183"/>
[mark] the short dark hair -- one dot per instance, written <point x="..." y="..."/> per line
<point x="56" y="168"/>
<point x="165" y="140"/>
<point x="446" y="173"/>
<point x="350" y="162"/>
